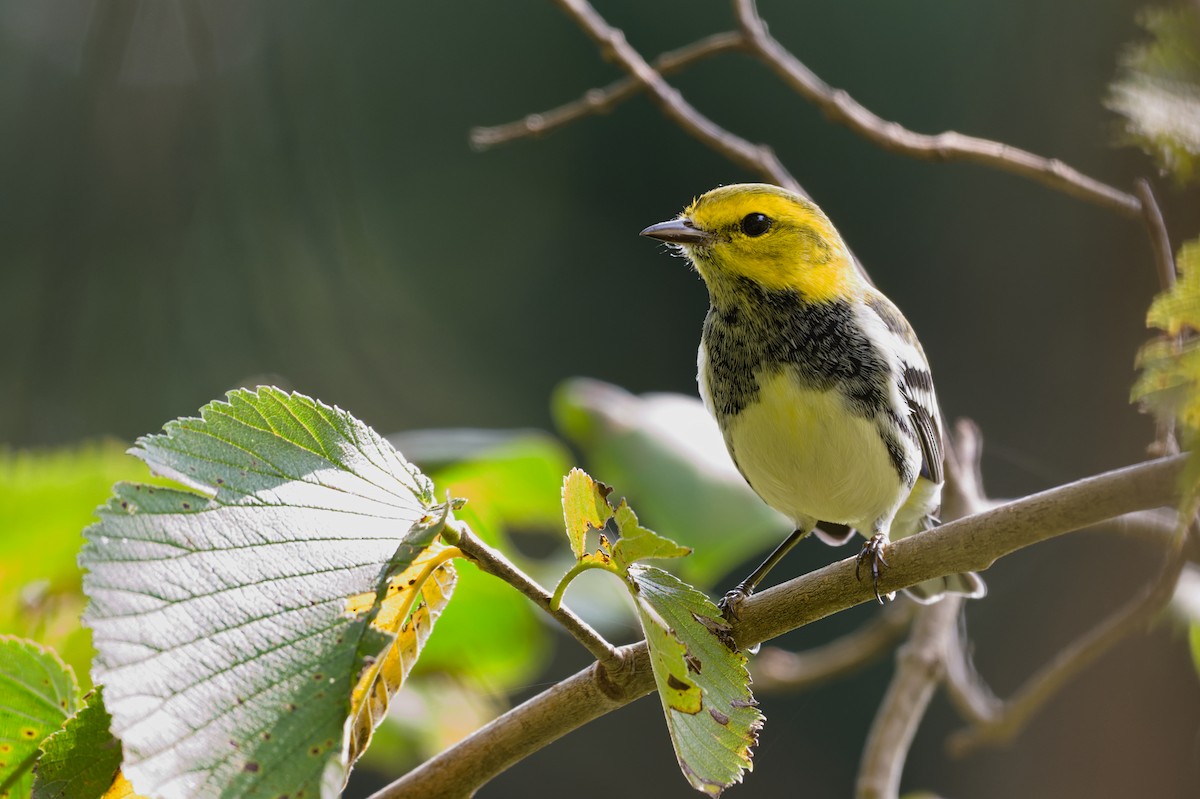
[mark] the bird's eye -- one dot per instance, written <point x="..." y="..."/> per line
<point x="755" y="224"/>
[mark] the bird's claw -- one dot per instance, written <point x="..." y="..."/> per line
<point x="873" y="551"/>
<point x="732" y="601"/>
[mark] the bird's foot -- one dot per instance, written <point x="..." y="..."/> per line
<point x="732" y="601"/>
<point x="872" y="552"/>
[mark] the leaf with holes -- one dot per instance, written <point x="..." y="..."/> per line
<point x="228" y="643"/>
<point x="37" y="694"/>
<point x="701" y="678"/>
<point x="585" y="507"/>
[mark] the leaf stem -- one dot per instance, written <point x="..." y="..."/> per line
<point x="579" y="568"/>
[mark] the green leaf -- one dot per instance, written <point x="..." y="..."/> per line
<point x="37" y="693"/>
<point x="1158" y="92"/>
<point x="637" y="543"/>
<point x="82" y="759"/>
<point x="667" y="455"/>
<point x="1169" y="383"/>
<point x="701" y="678"/>
<point x="228" y="644"/>
<point x="585" y="507"/>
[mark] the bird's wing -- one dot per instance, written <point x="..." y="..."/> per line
<point x="916" y="386"/>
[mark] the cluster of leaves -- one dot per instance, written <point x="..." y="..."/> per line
<point x="1158" y="92"/>
<point x="700" y="673"/>
<point x="254" y="611"/>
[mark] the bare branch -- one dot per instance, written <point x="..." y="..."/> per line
<point x="968" y="544"/>
<point x="757" y="158"/>
<point x="601" y="101"/>
<point x="1006" y="719"/>
<point x="777" y="670"/>
<point x="919" y="668"/>
<point x="496" y="564"/>
<point x="840" y="107"/>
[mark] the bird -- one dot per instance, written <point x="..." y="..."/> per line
<point x="821" y="390"/>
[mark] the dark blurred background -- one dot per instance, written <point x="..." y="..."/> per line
<point x="197" y="195"/>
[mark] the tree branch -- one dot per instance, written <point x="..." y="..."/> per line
<point x="919" y="668"/>
<point x="972" y="543"/>
<point x="777" y="670"/>
<point x="997" y="724"/>
<point x="601" y="101"/>
<point x="757" y="158"/>
<point x="840" y="107"/>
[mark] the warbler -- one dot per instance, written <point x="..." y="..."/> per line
<point x="821" y="390"/>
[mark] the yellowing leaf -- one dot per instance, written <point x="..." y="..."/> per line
<point x="1169" y="384"/>
<point x="428" y="584"/>
<point x="121" y="789"/>
<point x="585" y="507"/>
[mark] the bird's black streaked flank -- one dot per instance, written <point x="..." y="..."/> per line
<point x="818" y="383"/>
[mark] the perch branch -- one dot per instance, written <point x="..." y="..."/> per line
<point x="968" y="544"/>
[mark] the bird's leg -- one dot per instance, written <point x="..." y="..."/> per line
<point x="872" y="551"/>
<point x="733" y="599"/>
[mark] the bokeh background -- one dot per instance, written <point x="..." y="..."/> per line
<point x="201" y="195"/>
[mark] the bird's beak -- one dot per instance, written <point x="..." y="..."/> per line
<point x="677" y="231"/>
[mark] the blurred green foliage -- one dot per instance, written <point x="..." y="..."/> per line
<point x="46" y="499"/>
<point x="1158" y="91"/>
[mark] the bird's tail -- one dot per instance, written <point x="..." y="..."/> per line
<point x="969" y="584"/>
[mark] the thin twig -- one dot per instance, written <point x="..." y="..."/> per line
<point x="919" y="667"/>
<point x="840" y="107"/>
<point x="777" y="670"/>
<point x="1160" y="242"/>
<point x="963" y="545"/>
<point x="754" y="157"/>
<point x="1009" y="718"/>
<point x="496" y="564"/>
<point x="603" y="100"/>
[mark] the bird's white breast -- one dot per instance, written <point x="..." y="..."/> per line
<point x="811" y="458"/>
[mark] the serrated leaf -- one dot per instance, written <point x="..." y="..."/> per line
<point x="428" y="584"/>
<point x="81" y="760"/>
<point x="219" y="613"/>
<point x="1158" y="92"/>
<point x="37" y="693"/>
<point x="638" y="543"/>
<point x="585" y="507"/>
<point x="701" y="678"/>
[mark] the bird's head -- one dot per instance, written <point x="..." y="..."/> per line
<point x="761" y="233"/>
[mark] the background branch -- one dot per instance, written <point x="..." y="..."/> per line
<point x="757" y="158"/>
<point x="972" y="543"/>
<point x="777" y="670"/>
<point x="601" y="101"/>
